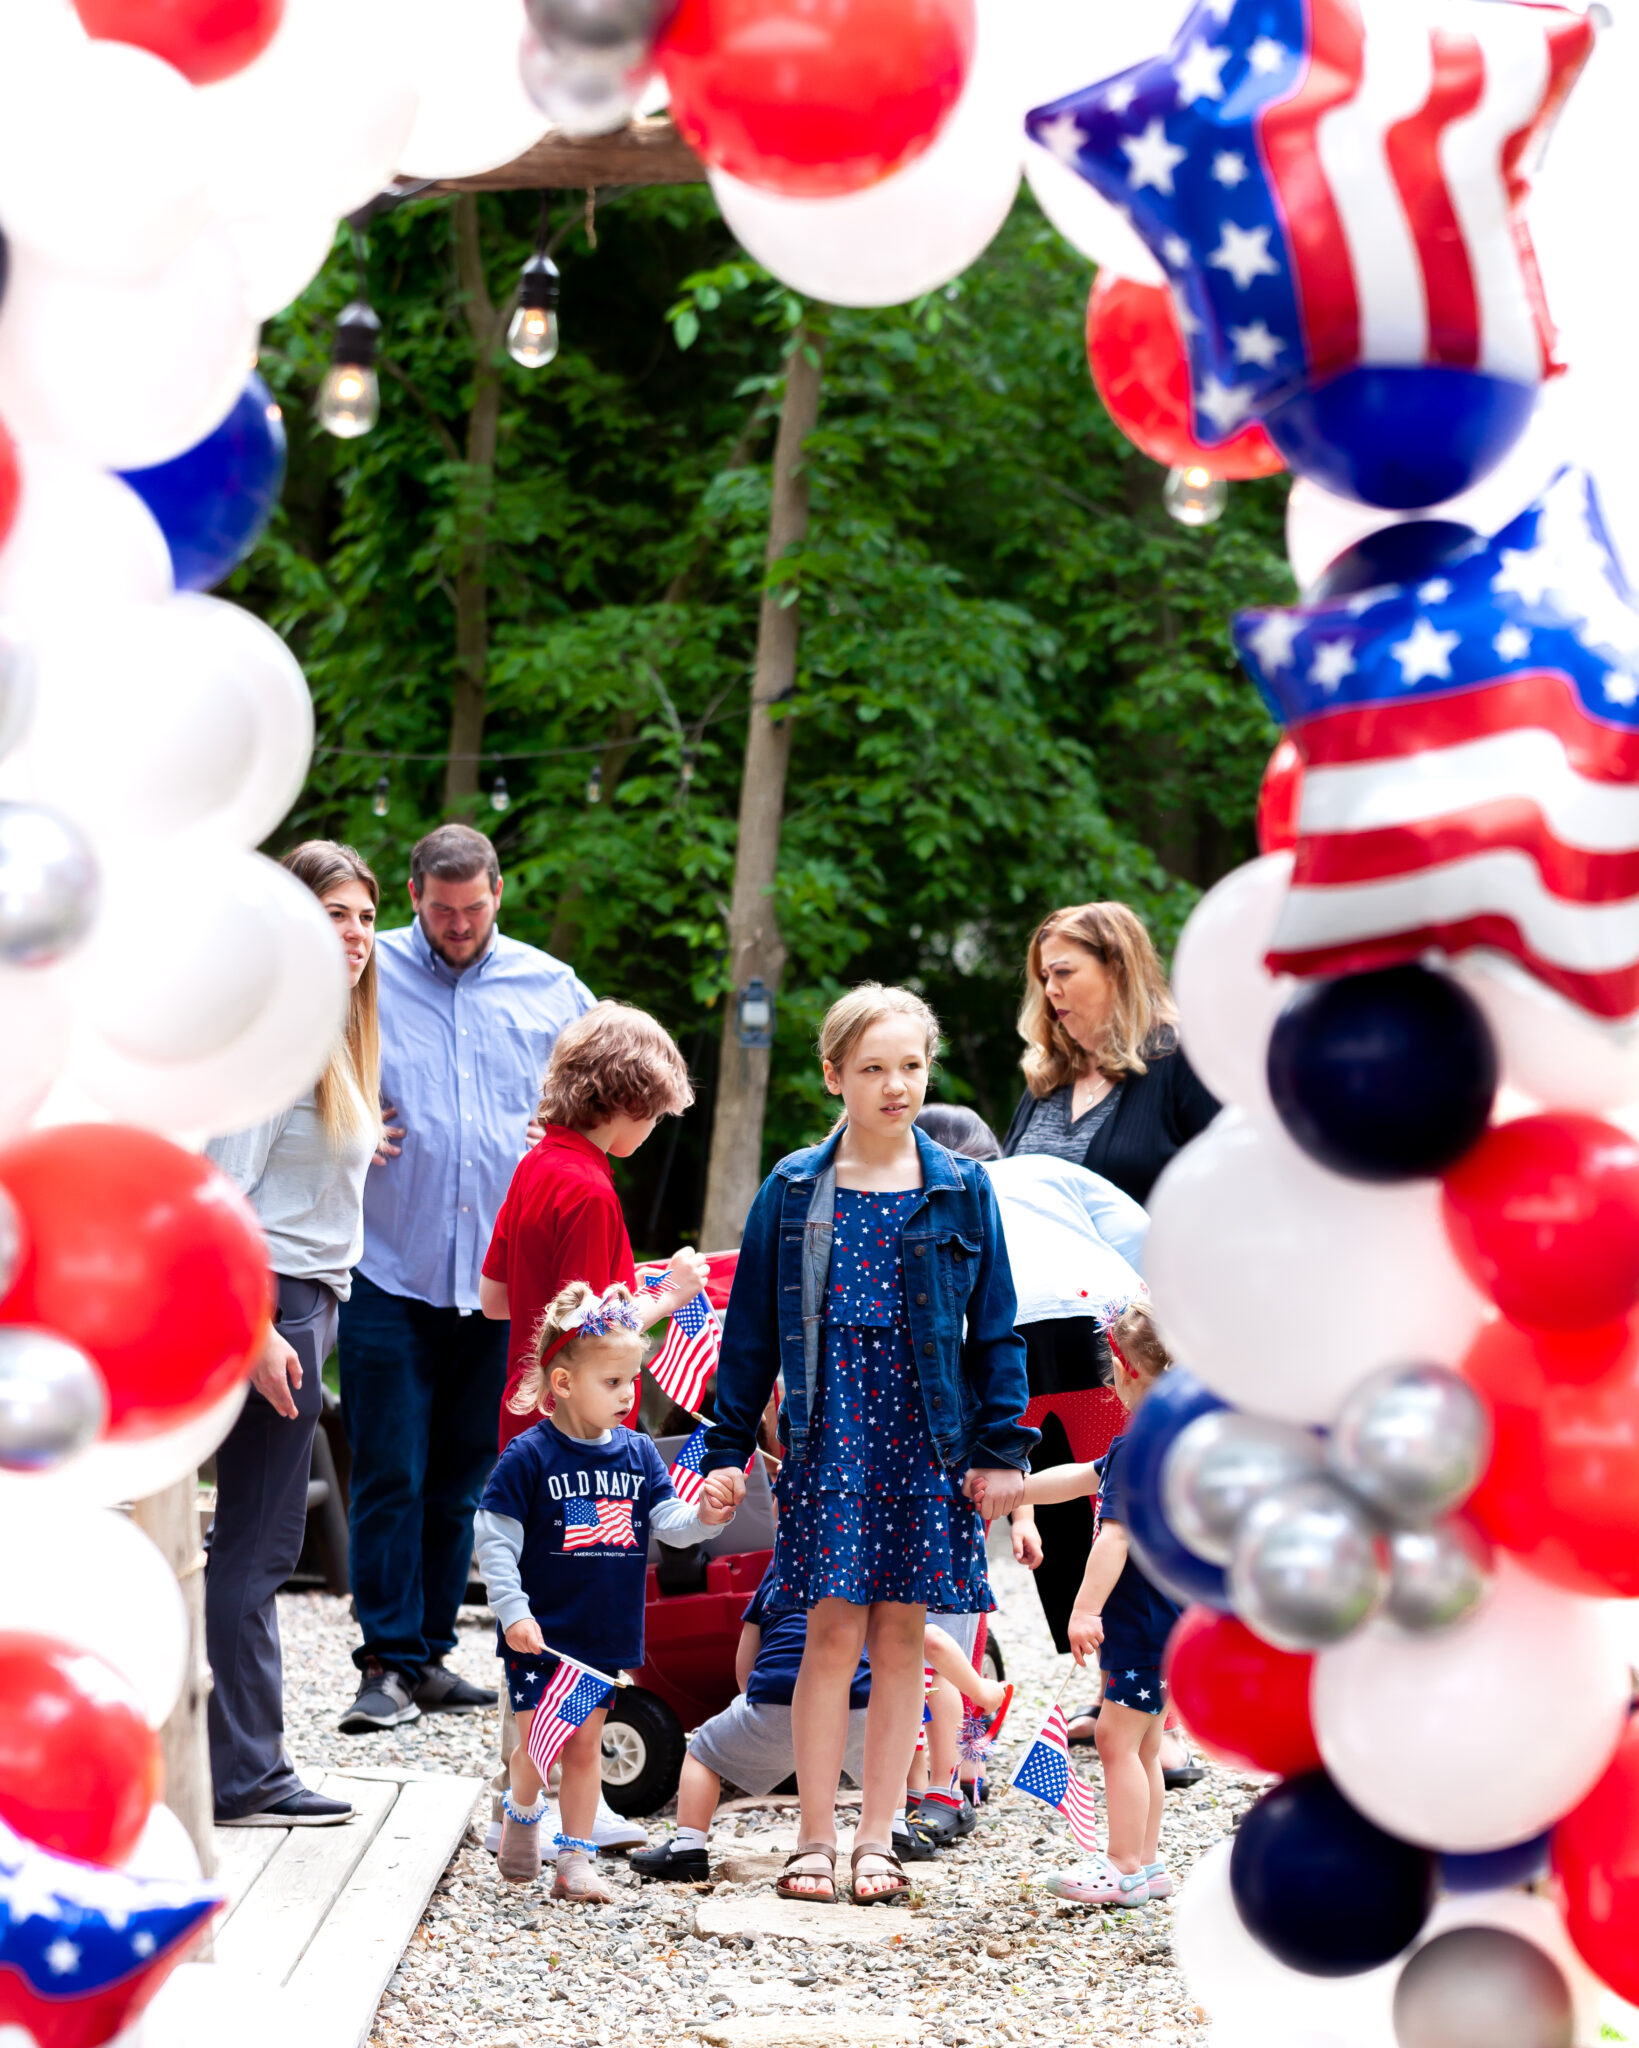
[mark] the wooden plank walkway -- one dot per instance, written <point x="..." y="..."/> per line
<point x="317" y="1918"/>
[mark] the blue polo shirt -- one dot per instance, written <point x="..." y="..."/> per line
<point x="779" y="1655"/>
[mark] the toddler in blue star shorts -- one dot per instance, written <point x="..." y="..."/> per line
<point x="1127" y="1619"/>
<point x="874" y="1275"/>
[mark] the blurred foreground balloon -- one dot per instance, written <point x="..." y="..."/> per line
<point x="1227" y="998"/>
<point x="814" y="105"/>
<point x="1411" y="1442"/>
<point x="1596" y="1862"/>
<point x="1244" y="1701"/>
<point x="1280" y="794"/>
<point x="1221" y="1466"/>
<point x="79" y="1765"/>
<point x="472" y="112"/>
<point x="204" y="39"/>
<point x="1481" y="1987"/>
<point x="1437" y="1577"/>
<point x="1173" y="1403"/>
<point x="1308" y="1567"/>
<point x="50" y="886"/>
<point x="214" y="502"/>
<point x="52" y="1401"/>
<point x="1409" y="1727"/>
<point x="1552" y="1050"/>
<point x="145" y="1257"/>
<point x="83" y="542"/>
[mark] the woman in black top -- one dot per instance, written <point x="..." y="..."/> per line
<point x="1107" y="1088"/>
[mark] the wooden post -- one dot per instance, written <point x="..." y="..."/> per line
<point x="474" y="506"/>
<point x="754" y="944"/>
<point x="170" y="1521"/>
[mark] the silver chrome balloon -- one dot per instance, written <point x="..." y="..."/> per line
<point x="52" y="1399"/>
<point x="1224" y="1463"/>
<point x="16" y="683"/>
<point x="1308" y="1567"/>
<point x="1436" y="1576"/>
<point x="11" y="1243"/>
<point x="595" y="24"/>
<point x="1482" y="1987"/>
<point x="1412" y="1441"/>
<point x="585" y="91"/>
<point x="49" y="886"/>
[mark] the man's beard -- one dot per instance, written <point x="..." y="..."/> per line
<point x="475" y="946"/>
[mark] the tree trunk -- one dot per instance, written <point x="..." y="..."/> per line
<point x="170" y="1521"/>
<point x="754" y="944"/>
<point x="477" y="500"/>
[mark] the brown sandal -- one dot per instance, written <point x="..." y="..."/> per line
<point x="828" y="1876"/>
<point x="898" y="1890"/>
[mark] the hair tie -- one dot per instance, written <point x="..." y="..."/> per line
<point x="597" y="1319"/>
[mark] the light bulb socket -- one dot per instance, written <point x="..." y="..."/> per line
<point x="539" y="283"/>
<point x="357" y="335"/>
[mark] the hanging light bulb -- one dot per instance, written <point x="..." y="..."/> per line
<point x="350" y="397"/>
<point x="594" y="783"/>
<point x="1194" y="496"/>
<point x="532" y="332"/>
<point x="498" y="796"/>
<point x="685" y="770"/>
<point x="378" y="803"/>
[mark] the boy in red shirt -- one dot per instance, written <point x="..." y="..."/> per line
<point x="613" y="1074"/>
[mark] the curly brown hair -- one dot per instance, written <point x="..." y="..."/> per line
<point x="614" y="1061"/>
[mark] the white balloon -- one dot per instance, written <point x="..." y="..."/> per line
<point x="1227" y="999"/>
<point x="279" y="255"/>
<point x="1551" y="1050"/>
<point x="36" y="31"/>
<point x="1086" y="219"/>
<point x="131" y="374"/>
<point x="165" y="718"/>
<point x="1533" y="1919"/>
<point x="915" y="230"/>
<point x="1410" y="1727"/>
<point x="99" y="1584"/>
<point x="233" y="1019"/>
<point x="82" y="541"/>
<point x="116" y="1470"/>
<point x="1250" y="1995"/>
<point x="164" y="1849"/>
<point x="472" y="113"/>
<point x="102" y="160"/>
<point x="1282" y="1285"/>
<point x="317" y="125"/>
<point x="36" y="1015"/>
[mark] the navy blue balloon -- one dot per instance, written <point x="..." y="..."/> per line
<point x="1170" y="1406"/>
<point x="1383" y="1076"/>
<point x="215" y="499"/>
<point x="1401" y="437"/>
<point x="1404" y="553"/>
<point x="1495" y="1869"/>
<point x="1325" y="1890"/>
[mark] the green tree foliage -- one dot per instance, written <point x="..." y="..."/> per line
<point x="1016" y="684"/>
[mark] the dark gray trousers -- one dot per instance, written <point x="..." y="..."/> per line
<point x="261" y="1513"/>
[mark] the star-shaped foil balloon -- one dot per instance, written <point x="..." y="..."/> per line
<point x="83" y="1949"/>
<point x="1335" y="189"/>
<point x="1471" y="749"/>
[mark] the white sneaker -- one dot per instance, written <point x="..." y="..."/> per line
<point x="609" y="1830"/>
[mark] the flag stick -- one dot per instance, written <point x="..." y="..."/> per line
<point x="590" y="1669"/>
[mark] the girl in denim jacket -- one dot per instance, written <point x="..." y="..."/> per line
<point x="873" y="1276"/>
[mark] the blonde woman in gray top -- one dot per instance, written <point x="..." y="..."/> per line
<point x="303" y="1173"/>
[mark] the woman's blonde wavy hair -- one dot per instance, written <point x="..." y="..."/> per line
<point x="1142" y="1018"/>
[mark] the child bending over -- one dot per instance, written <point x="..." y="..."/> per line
<point x="1127" y="1620"/>
<point x="563" y="1543"/>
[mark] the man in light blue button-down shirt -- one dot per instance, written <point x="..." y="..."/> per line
<point x="468" y="1020"/>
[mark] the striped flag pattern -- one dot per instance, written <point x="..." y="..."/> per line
<point x="688" y="1356"/>
<point x="1330" y="183"/>
<point x="589" y="1524"/>
<point x="684" y="1472"/>
<point x="1047" y="1774"/>
<point x="1471" y="748"/>
<point x="572" y="1694"/>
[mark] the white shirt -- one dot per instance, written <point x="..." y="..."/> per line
<point x="1074" y="1240"/>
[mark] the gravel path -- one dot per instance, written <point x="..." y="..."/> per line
<point x="986" y="1959"/>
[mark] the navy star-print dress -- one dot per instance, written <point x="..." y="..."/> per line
<point x="870" y="1513"/>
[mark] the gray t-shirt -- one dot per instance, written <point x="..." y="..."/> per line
<point x="1051" y="1128"/>
<point x="308" y="1196"/>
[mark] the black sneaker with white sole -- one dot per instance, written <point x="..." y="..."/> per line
<point x="441" y="1691"/>
<point x="383" y="1702"/>
<point x="302" y="1809"/>
<point x="672" y="1865"/>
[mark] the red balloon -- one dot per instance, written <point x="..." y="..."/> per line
<point x="204" y="39"/>
<point x="79" y="1765"/>
<point x="1138" y="363"/>
<point x="146" y="1257"/>
<point x="1244" y="1701"/>
<point x="1562" y="1489"/>
<point x="11" y="483"/>
<point x="1544" y="1214"/>
<point x="1279" y="795"/>
<point x="1595" y="1854"/>
<point x="814" y="98"/>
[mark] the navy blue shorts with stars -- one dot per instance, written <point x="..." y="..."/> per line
<point x="1139" y="1686"/>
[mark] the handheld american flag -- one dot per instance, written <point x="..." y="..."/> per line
<point x="684" y="1473"/>
<point x="688" y="1356"/>
<point x="1471" y="748"/>
<point x="572" y="1694"/>
<point x="1046" y="1774"/>
<point x="590" y="1523"/>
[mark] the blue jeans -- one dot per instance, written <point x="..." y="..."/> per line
<point x="421" y="1402"/>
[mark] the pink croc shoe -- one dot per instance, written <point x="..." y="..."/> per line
<point x="1160" y="1878"/>
<point x="1099" y="1883"/>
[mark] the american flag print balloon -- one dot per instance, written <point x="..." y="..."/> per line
<point x="1336" y="194"/>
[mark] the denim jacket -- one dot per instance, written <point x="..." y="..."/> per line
<point x="958" y="1295"/>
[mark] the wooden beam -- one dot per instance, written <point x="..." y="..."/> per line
<point x="645" y="152"/>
